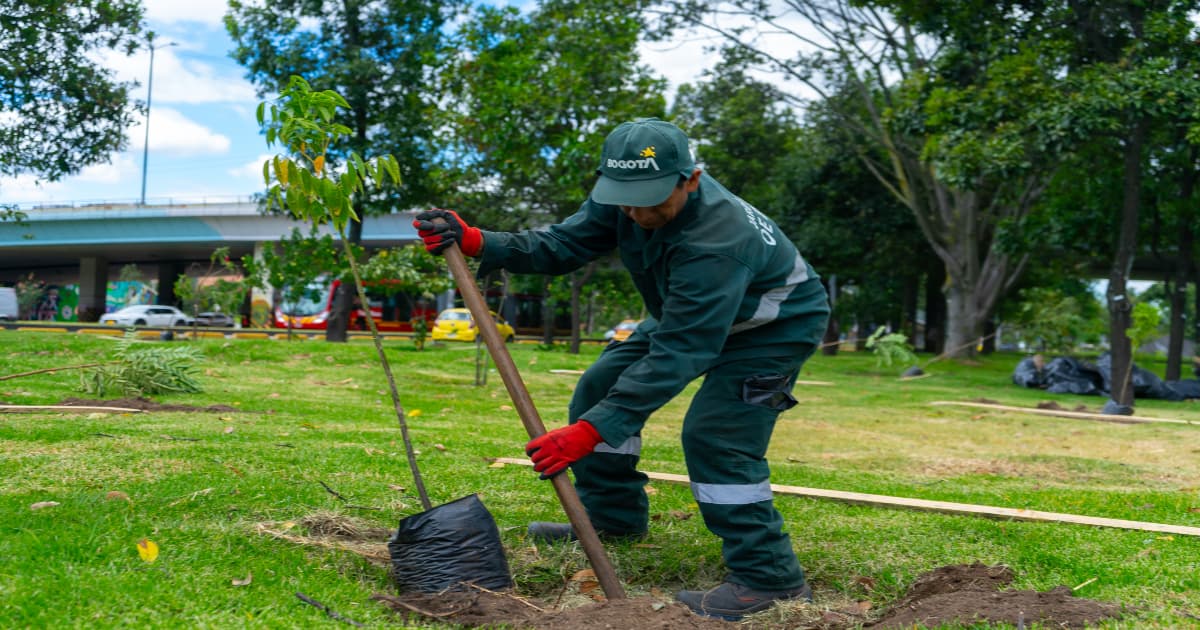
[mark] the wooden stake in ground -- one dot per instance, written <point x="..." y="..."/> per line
<point x="532" y="421"/>
<point x="945" y="507"/>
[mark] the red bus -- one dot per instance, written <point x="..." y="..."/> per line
<point x="392" y="313"/>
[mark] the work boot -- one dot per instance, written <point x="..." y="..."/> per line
<point x="731" y="601"/>
<point x="562" y="532"/>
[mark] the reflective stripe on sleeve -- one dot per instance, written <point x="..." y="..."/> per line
<point x="632" y="446"/>
<point x="772" y="301"/>
<point x="732" y="493"/>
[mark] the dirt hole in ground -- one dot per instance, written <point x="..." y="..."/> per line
<point x="962" y="594"/>
<point x="143" y="404"/>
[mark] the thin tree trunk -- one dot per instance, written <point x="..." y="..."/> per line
<point x="1119" y="306"/>
<point x="547" y="313"/>
<point x="908" y="314"/>
<point x="829" y="343"/>
<point x="935" y="307"/>
<point x="1183" y="265"/>
<point x="578" y="280"/>
<point x="989" y="336"/>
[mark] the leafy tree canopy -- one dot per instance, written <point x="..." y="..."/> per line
<point x="380" y="55"/>
<point x="59" y="109"/>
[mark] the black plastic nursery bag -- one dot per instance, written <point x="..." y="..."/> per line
<point x="444" y="547"/>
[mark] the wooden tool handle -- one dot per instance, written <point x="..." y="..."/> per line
<point x="567" y="496"/>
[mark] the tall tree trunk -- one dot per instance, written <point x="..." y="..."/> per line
<point x="908" y="308"/>
<point x="338" y="324"/>
<point x="1183" y="267"/>
<point x="829" y="343"/>
<point x="578" y="280"/>
<point x="547" y="313"/>
<point x="1119" y="306"/>
<point x="935" y="306"/>
<point x="989" y="336"/>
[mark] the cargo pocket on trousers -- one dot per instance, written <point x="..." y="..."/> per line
<point x="768" y="390"/>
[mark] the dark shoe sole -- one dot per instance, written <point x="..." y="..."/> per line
<point x="694" y="600"/>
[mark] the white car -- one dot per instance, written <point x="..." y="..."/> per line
<point x="146" y="315"/>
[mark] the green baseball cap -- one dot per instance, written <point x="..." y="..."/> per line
<point x="641" y="162"/>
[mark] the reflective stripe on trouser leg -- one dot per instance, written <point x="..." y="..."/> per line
<point x="608" y="483"/>
<point x="724" y="442"/>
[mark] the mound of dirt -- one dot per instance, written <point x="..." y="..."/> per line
<point x="970" y="594"/>
<point x="144" y="404"/>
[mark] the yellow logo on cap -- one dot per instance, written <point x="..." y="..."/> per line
<point x="648" y="152"/>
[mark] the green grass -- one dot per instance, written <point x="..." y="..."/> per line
<point x="309" y="412"/>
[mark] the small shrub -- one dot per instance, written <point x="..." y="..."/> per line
<point x="890" y="348"/>
<point x="144" y="369"/>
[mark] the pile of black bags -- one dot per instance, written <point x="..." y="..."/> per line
<point x="1065" y="375"/>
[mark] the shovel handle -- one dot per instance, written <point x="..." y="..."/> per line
<point x="567" y="496"/>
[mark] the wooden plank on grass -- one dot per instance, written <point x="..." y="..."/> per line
<point x="1063" y="413"/>
<point x="578" y="372"/>
<point x="72" y="408"/>
<point x="943" y="507"/>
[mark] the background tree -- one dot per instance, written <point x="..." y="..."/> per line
<point x="289" y="269"/>
<point x="409" y="271"/>
<point x="383" y="57"/>
<point x="60" y="110"/>
<point x="741" y="129"/>
<point x="526" y="150"/>
<point x="218" y="287"/>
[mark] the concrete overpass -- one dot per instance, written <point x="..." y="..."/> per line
<point x="88" y="244"/>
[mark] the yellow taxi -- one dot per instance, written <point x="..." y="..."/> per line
<point x="456" y="324"/>
<point x="622" y="331"/>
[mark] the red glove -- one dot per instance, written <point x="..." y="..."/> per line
<point x="553" y="452"/>
<point x="439" y="236"/>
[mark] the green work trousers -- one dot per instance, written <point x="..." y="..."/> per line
<point x="725" y="436"/>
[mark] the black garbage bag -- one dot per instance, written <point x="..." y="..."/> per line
<point x="1186" y="389"/>
<point x="1027" y="374"/>
<point x="1064" y="375"/>
<point x="445" y="547"/>
<point x="1146" y="384"/>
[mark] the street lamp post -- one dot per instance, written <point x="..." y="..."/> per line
<point x="149" y="95"/>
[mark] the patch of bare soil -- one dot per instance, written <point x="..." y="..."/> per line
<point x="955" y="594"/>
<point x="144" y="404"/>
<point x="970" y="594"/>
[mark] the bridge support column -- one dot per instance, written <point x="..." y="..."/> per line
<point x="168" y="273"/>
<point x="93" y="288"/>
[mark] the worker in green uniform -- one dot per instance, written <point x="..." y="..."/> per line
<point x="730" y="299"/>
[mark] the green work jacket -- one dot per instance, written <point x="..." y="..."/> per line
<point x="721" y="282"/>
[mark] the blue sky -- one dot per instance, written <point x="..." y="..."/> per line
<point x="204" y="141"/>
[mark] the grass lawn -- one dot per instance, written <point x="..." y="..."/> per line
<point x="307" y="413"/>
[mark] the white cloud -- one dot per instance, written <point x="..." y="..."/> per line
<point x="173" y="133"/>
<point x="123" y="168"/>
<point x="251" y="169"/>
<point x="27" y="189"/>
<point x="180" y="79"/>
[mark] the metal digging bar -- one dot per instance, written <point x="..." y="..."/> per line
<point x="532" y="421"/>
